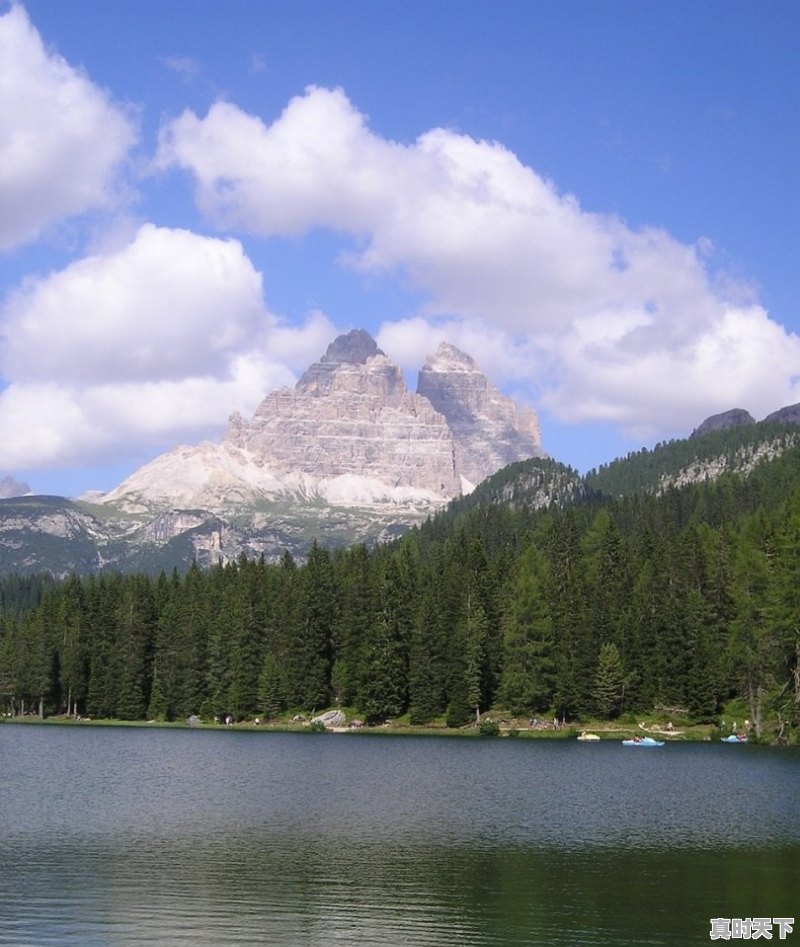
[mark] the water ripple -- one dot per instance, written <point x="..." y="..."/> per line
<point x="133" y="837"/>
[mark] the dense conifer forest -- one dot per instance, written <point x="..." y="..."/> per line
<point x="592" y="607"/>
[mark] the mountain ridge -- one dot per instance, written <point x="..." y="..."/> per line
<point x="59" y="536"/>
<point x="351" y="455"/>
<point x="349" y="434"/>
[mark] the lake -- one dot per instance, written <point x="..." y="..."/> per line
<point x="114" y="837"/>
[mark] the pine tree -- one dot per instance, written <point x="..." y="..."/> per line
<point x="158" y="707"/>
<point x="527" y="681"/>
<point x="610" y="584"/>
<point x="219" y="675"/>
<point x="271" y="690"/>
<point x="246" y="622"/>
<point x="753" y="650"/>
<point x="609" y="682"/>
<point x="568" y="609"/>
<point x="427" y="670"/>
<point x="784" y="610"/>
<point x="135" y="636"/>
<point x="73" y="660"/>
<point x="103" y="603"/>
<point x="355" y="620"/>
<point x="309" y="659"/>
<point x="385" y="689"/>
<point x="476" y="636"/>
<point x="187" y="617"/>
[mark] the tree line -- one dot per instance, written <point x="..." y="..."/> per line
<point x="684" y="600"/>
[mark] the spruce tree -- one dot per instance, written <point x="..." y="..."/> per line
<point x="527" y="680"/>
<point x="309" y="660"/>
<point x="427" y="671"/>
<point x="568" y="609"/>
<point x="271" y="689"/>
<point x="356" y="578"/>
<point x="609" y="682"/>
<point x="753" y="649"/>
<point x="135" y="637"/>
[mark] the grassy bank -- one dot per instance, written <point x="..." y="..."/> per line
<point x="506" y="726"/>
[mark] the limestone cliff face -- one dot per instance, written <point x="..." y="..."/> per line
<point x="489" y="430"/>
<point x="349" y="434"/>
<point x="351" y="413"/>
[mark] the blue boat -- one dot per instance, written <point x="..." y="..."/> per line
<point x="734" y="738"/>
<point x="642" y="741"/>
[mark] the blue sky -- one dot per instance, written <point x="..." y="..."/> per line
<point x="597" y="201"/>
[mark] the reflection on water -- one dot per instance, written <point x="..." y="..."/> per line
<point x="125" y="837"/>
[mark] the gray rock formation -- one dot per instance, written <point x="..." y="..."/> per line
<point x="349" y="434"/>
<point x="736" y="417"/>
<point x="790" y="414"/>
<point x="349" y="454"/>
<point x="489" y="430"/>
<point x="354" y="348"/>
<point x="331" y="718"/>
<point x="351" y="414"/>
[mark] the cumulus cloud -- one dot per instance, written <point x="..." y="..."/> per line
<point x="507" y="361"/>
<point x="613" y="322"/>
<point x="317" y="165"/>
<point x="156" y="340"/>
<point x="161" y="332"/>
<point x="743" y="359"/>
<point x="63" y="139"/>
<point x="169" y="304"/>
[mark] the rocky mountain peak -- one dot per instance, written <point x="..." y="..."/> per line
<point x="736" y="417"/>
<point x="348" y="435"/>
<point x="489" y="429"/>
<point x="449" y="358"/>
<point x="789" y="415"/>
<point x="354" y="347"/>
<point x="354" y="362"/>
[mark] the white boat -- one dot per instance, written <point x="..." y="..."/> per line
<point x="642" y="741"/>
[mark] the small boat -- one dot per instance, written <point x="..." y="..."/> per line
<point x="588" y="737"/>
<point x="734" y="738"/>
<point x="642" y="741"/>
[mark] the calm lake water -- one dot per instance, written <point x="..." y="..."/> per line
<point x="111" y="837"/>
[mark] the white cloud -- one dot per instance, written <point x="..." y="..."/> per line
<point x="158" y="340"/>
<point x="298" y="346"/>
<point x="743" y="360"/>
<point x="167" y="305"/>
<point x="62" y="141"/>
<point x="612" y="322"/>
<point x="504" y="360"/>
<point x="42" y="424"/>
<point x="317" y="165"/>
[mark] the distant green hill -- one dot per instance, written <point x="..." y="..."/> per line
<point x="60" y="537"/>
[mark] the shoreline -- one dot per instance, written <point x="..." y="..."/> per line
<point x="606" y="732"/>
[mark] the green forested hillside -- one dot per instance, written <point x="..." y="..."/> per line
<point x="732" y="449"/>
<point x="684" y="599"/>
